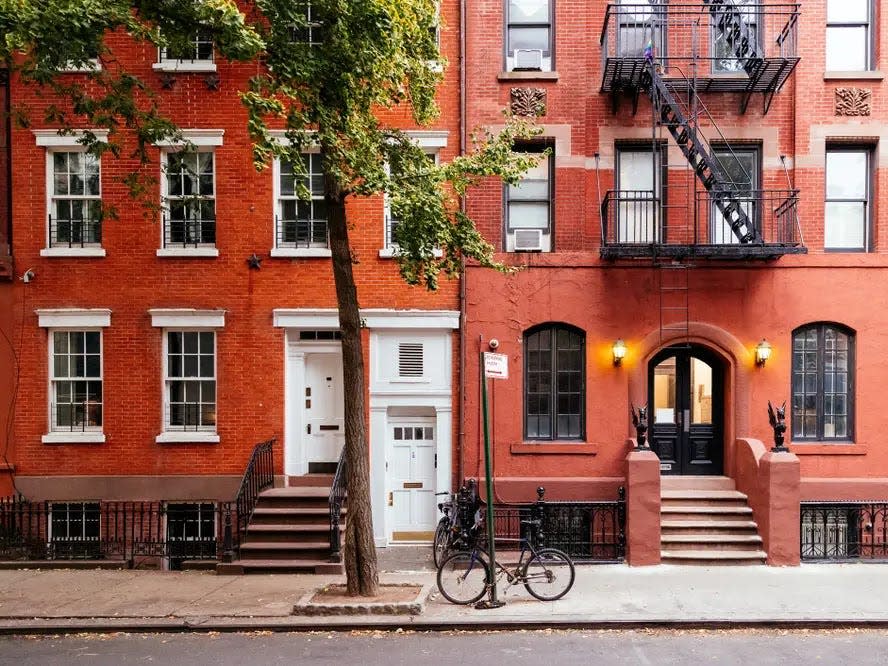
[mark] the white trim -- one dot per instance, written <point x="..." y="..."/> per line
<point x="177" y="318"/>
<point x="54" y="139"/>
<point x="197" y="137"/>
<point x="280" y="136"/>
<point x="86" y="251"/>
<point x="184" y="66"/>
<point x="392" y="253"/>
<point x="187" y="437"/>
<point x="373" y="318"/>
<point x="73" y="438"/>
<point x="73" y="318"/>
<point x="429" y="139"/>
<point x="187" y="251"/>
<point x="301" y="252"/>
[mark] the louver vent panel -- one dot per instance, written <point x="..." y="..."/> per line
<point x="410" y="359"/>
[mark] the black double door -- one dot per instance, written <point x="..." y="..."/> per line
<point x="686" y="410"/>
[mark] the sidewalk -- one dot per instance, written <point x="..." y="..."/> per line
<point x="604" y="596"/>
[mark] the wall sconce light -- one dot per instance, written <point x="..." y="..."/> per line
<point x="619" y="350"/>
<point x="762" y="353"/>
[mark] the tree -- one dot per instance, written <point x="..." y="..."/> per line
<point x="331" y="66"/>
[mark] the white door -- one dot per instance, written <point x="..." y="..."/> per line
<point x="411" y="480"/>
<point x="324" y="424"/>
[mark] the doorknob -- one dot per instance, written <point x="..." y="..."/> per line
<point x="308" y="429"/>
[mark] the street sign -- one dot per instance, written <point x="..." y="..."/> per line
<point x="496" y="366"/>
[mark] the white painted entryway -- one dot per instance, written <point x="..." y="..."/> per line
<point x="411" y="478"/>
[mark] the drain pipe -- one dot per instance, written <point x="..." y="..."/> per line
<point x="461" y="373"/>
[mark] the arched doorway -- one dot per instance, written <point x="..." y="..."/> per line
<point x="686" y="410"/>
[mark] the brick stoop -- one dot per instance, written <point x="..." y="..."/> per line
<point x="289" y="532"/>
<point x="706" y="521"/>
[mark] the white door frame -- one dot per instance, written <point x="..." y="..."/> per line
<point x="295" y="463"/>
<point x="391" y="422"/>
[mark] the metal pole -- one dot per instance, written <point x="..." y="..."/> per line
<point x="492" y="601"/>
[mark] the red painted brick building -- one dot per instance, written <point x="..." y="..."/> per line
<point x="711" y="183"/>
<point x="154" y="350"/>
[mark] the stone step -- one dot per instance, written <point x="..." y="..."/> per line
<point x="697" y="483"/>
<point x="280" y="566"/>
<point x="703" y="495"/>
<point x="292" y="516"/>
<point x="710" y="542"/>
<point x="290" y="533"/>
<point x="275" y="550"/>
<point x="297" y="491"/>
<point x="306" y="496"/>
<point x="713" y="558"/>
<point x="701" y="513"/>
<point x="325" y="480"/>
<point x="712" y="526"/>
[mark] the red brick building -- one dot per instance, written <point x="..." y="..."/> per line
<point x="710" y="194"/>
<point x="155" y="350"/>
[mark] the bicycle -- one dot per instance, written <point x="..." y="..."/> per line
<point x="456" y="528"/>
<point x="548" y="574"/>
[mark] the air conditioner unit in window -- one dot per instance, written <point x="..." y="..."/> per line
<point x="528" y="60"/>
<point x="528" y="240"/>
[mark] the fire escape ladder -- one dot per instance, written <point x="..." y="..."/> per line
<point x="674" y="297"/>
<point x="728" y="21"/>
<point x="677" y="120"/>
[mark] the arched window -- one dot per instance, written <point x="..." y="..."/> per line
<point x="554" y="382"/>
<point x="822" y="383"/>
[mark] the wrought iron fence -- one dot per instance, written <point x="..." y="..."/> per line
<point x="74" y="232"/>
<point x="115" y="530"/>
<point x="587" y="531"/>
<point x="188" y="233"/>
<point x="844" y="531"/>
<point x="306" y="233"/>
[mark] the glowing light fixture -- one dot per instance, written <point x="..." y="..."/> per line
<point x="619" y="350"/>
<point x="762" y="353"/>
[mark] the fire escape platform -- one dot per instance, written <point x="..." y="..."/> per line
<point x="736" y="252"/>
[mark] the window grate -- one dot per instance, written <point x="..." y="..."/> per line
<point x="410" y="359"/>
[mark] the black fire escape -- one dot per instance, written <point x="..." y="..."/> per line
<point x="655" y="50"/>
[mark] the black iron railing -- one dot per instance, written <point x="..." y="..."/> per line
<point x="74" y="233"/>
<point x="841" y="531"/>
<point x="302" y="233"/>
<point x="336" y="501"/>
<point x="76" y="416"/>
<point x="587" y="531"/>
<point x="258" y="476"/>
<point x="117" y="531"/>
<point x="188" y="233"/>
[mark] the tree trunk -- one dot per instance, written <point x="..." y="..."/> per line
<point x="362" y="575"/>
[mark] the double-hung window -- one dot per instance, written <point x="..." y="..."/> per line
<point x="822" y="383"/>
<point x="192" y="55"/>
<point x="309" y="29"/>
<point x="190" y="220"/>
<point x="75" y="530"/>
<point x="848" y="192"/>
<point x="849" y="43"/>
<point x="640" y="175"/>
<point x="529" y="35"/>
<point x="554" y="382"/>
<point x="191" y="532"/>
<point x="301" y="223"/>
<point x="390" y="218"/>
<point x="75" y="201"/>
<point x="740" y="166"/>
<point x="189" y="364"/>
<point x="529" y="205"/>
<point x="734" y="44"/>
<point x="76" y="402"/>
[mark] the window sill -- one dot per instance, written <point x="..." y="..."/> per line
<point x="183" y="66"/>
<point x="555" y="448"/>
<point x="392" y="253"/>
<point x="86" y="68"/>
<point x="189" y="437"/>
<point x="872" y="75"/>
<point x="527" y="76"/>
<point x="73" y="438"/>
<point x="821" y="449"/>
<point x="188" y="252"/>
<point x="72" y="252"/>
<point x="301" y="252"/>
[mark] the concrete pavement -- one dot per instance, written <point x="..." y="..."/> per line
<point x="602" y="596"/>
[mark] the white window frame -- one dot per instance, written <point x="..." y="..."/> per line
<point x="535" y="148"/>
<point x="278" y="216"/>
<point x="196" y="140"/>
<point x="72" y="319"/>
<point x="186" y="320"/>
<point x="837" y="25"/>
<point x="165" y="64"/>
<point x="54" y="140"/>
<point x="547" y="62"/>
<point x="867" y="201"/>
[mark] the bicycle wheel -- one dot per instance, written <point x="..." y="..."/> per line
<point x="462" y="577"/>
<point x="549" y="574"/>
<point x="441" y="544"/>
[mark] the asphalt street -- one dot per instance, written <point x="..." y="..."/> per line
<point x="549" y="647"/>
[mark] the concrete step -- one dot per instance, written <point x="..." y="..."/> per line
<point x="298" y="491"/>
<point x="324" y="480"/>
<point x="701" y="513"/>
<point x="303" y="496"/>
<point x="292" y="515"/>
<point x="713" y="558"/>
<point x="712" y="526"/>
<point x="710" y="542"/>
<point x="697" y="483"/>
<point x="290" y="533"/>
<point x="703" y="495"/>
<point x="280" y="566"/>
<point x="274" y="550"/>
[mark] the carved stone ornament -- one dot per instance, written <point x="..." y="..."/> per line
<point x="853" y="101"/>
<point x="528" y="101"/>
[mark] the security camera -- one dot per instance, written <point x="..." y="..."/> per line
<point x="493" y="343"/>
<point x="28" y="276"/>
